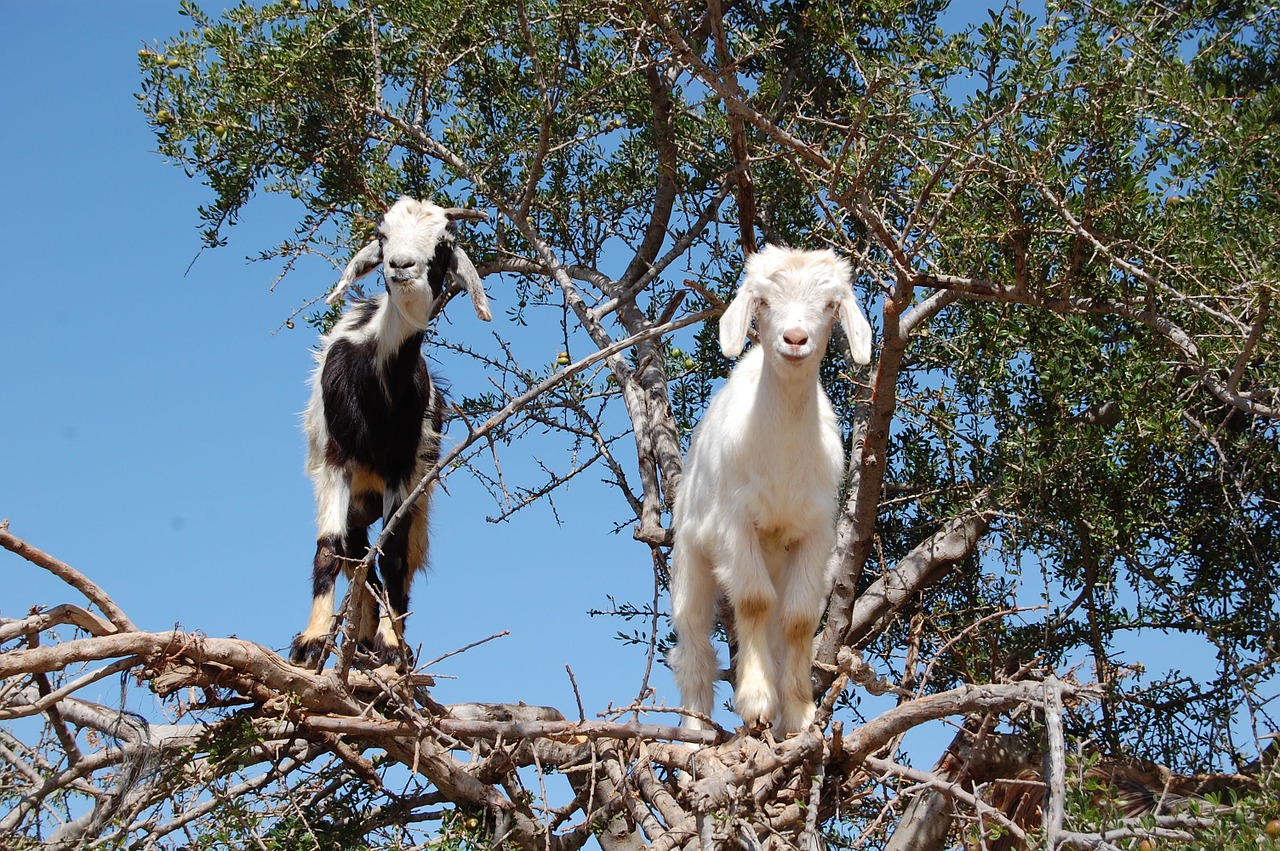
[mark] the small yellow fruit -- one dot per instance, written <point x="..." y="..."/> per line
<point x="1273" y="828"/>
<point x="173" y="63"/>
<point x="220" y="131"/>
<point x="163" y="116"/>
<point x="563" y="359"/>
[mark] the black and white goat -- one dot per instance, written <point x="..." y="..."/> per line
<point x="754" y="517"/>
<point x="373" y="422"/>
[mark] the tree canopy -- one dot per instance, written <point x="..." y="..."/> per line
<point x="1062" y="220"/>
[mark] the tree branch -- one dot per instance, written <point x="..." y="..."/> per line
<point x="67" y="574"/>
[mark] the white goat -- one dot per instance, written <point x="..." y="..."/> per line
<point x="373" y="422"/>
<point x="754" y="516"/>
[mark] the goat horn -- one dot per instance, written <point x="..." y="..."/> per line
<point x="454" y="214"/>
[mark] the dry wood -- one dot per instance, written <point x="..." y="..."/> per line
<point x="257" y="723"/>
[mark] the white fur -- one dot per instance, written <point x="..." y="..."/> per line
<point x="755" y="513"/>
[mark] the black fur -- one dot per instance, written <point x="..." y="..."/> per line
<point x="376" y="420"/>
<point x="361" y="312"/>
<point x="440" y="263"/>
<point x="330" y="551"/>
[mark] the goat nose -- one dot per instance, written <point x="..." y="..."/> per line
<point x="400" y="262"/>
<point x="795" y="337"/>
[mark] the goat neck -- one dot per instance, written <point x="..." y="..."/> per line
<point x="792" y="382"/>
<point x="396" y="325"/>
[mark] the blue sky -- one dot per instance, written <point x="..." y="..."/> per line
<point x="151" y="435"/>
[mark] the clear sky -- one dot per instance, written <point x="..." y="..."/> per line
<point x="150" y="430"/>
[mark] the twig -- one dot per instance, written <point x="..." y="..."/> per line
<point x="517" y="404"/>
<point x="582" y="715"/>
<point x="502" y="634"/>
<point x="955" y="790"/>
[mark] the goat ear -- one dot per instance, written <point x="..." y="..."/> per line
<point x="464" y="272"/>
<point x="856" y="328"/>
<point x="735" y="321"/>
<point x="365" y="261"/>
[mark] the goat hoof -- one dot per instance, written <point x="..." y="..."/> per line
<point x="306" y="652"/>
<point x="755" y="707"/>
<point x="754" y="723"/>
<point x="395" y="655"/>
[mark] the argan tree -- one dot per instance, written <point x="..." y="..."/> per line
<point x="1063" y="221"/>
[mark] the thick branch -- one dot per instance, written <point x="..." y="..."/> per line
<point x="964" y="700"/>
<point x="737" y="135"/>
<point x="667" y="189"/>
<point x="919" y="569"/>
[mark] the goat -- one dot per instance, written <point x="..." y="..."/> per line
<point x="374" y="418"/>
<point x="754" y="517"/>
